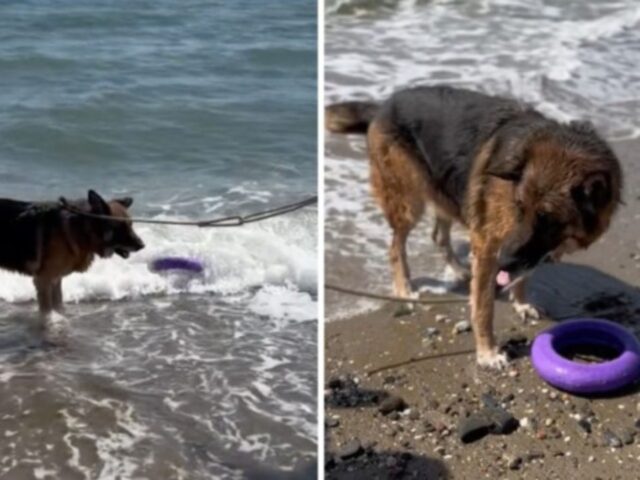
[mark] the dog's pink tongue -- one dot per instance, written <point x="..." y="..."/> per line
<point x="503" y="279"/>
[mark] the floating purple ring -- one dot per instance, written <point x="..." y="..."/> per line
<point x="176" y="263"/>
<point x="587" y="378"/>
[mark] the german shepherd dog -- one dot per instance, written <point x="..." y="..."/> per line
<point x="528" y="188"/>
<point x="49" y="242"/>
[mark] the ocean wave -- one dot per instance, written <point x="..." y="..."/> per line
<point x="274" y="261"/>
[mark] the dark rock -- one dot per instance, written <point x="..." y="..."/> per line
<point x="330" y="462"/>
<point x="336" y="383"/>
<point x="389" y="379"/>
<point x="392" y="404"/>
<point x="350" y="449"/>
<point x="508" y="398"/>
<point x="610" y="439"/>
<point x="627" y="436"/>
<point x="515" y="463"/>
<point x="585" y="425"/>
<point x="474" y="428"/>
<point x="504" y="422"/>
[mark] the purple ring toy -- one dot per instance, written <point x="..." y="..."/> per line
<point x="176" y="263"/>
<point x="587" y="378"/>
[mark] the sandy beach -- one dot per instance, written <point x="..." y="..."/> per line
<point x="376" y="356"/>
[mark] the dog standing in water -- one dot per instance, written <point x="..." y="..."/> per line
<point x="49" y="242"/>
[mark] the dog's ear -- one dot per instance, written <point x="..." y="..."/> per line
<point x="126" y="202"/>
<point x="596" y="189"/>
<point x="97" y="204"/>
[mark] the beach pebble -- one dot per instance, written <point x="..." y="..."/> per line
<point x="332" y="422"/>
<point x="335" y="383"/>
<point x="585" y="425"/>
<point x="350" y="449"/>
<point x="515" y="463"/>
<point x="531" y="456"/>
<point x="461" y="327"/>
<point x="392" y="404"/>
<point x="627" y="436"/>
<point x="441" y="318"/>
<point x="610" y="439"/>
<point x="431" y="332"/>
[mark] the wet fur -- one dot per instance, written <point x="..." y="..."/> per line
<point x="526" y="187"/>
<point x="48" y="243"/>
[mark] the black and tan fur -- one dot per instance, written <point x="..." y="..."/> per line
<point x="527" y="187"/>
<point x="48" y="242"/>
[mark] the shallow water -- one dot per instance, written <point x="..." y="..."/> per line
<point x="572" y="60"/>
<point x="197" y="111"/>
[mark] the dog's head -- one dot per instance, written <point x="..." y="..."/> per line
<point x="565" y="184"/>
<point x="113" y="236"/>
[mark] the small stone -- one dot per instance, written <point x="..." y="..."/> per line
<point x="515" y="463"/>
<point x="336" y="383"/>
<point x="610" y="439"/>
<point x="392" y="404"/>
<point x="585" y="425"/>
<point x="441" y="318"/>
<point x="461" y="327"/>
<point x="508" y="398"/>
<point x="531" y="456"/>
<point x="431" y="332"/>
<point x="350" y="449"/>
<point x="394" y="416"/>
<point x="332" y="422"/>
<point x="389" y="379"/>
<point x="414" y="415"/>
<point x="440" y="450"/>
<point x="627" y="436"/>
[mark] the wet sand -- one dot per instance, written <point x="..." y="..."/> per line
<point x="374" y="355"/>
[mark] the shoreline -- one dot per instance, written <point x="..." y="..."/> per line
<point x="374" y="355"/>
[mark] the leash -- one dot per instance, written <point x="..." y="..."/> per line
<point x="230" y="221"/>
<point x="378" y="296"/>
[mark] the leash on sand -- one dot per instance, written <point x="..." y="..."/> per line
<point x="391" y="298"/>
<point x="230" y="221"/>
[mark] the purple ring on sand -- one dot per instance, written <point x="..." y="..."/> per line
<point x="587" y="378"/>
<point x="177" y="263"/>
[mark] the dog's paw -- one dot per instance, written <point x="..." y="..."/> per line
<point x="527" y="311"/>
<point x="492" y="359"/>
<point x="56" y="328"/>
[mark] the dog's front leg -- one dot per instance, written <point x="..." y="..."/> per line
<point x="484" y="268"/>
<point x="524" y="310"/>
<point x="58" y="302"/>
<point x="44" y="291"/>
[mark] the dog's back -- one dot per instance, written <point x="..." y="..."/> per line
<point x="21" y="234"/>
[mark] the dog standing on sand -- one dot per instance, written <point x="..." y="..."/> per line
<point x="528" y="188"/>
<point x="49" y="242"/>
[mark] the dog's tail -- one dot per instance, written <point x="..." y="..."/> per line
<point x="349" y="117"/>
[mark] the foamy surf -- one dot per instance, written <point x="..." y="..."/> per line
<point x="274" y="260"/>
<point x="569" y="61"/>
